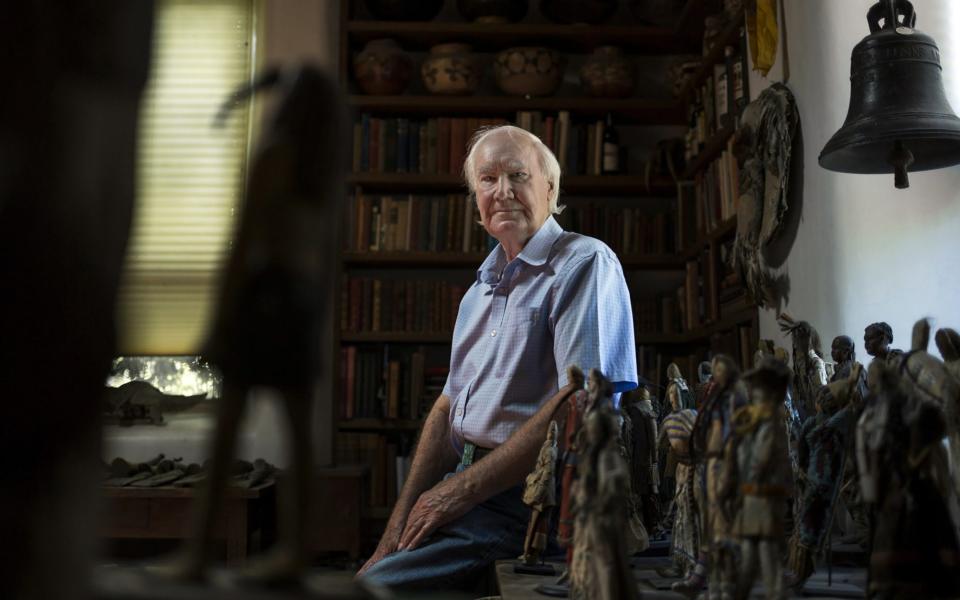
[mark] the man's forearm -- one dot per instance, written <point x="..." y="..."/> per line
<point x="513" y="460"/>
<point x="433" y="458"/>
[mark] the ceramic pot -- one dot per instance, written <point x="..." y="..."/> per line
<point x="404" y="10"/>
<point x="382" y="68"/>
<point x="608" y="74"/>
<point x="450" y="70"/>
<point x="591" y="12"/>
<point x="493" y="11"/>
<point x="528" y="71"/>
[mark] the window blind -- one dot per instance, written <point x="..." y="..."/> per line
<point x="190" y="176"/>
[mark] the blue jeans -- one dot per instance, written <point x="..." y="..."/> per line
<point x="459" y="554"/>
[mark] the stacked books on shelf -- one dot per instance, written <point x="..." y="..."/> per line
<point x="398" y="305"/>
<point x="731" y="295"/>
<point x="389" y="463"/>
<point x="628" y="231"/>
<point x="717" y="191"/>
<point x="414" y="223"/>
<point x="439" y="145"/>
<point x="387" y="382"/>
<point x="402" y="145"/>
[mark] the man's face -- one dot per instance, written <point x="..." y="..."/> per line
<point x="512" y="191"/>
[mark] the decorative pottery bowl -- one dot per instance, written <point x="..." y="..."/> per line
<point x="450" y="69"/>
<point x="528" y="71"/>
<point x="608" y="74"/>
<point x="382" y="68"/>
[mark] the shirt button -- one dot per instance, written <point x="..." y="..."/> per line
<point x="493" y="333"/>
<point x="459" y="411"/>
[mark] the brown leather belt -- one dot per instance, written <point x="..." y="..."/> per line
<point x="472" y="453"/>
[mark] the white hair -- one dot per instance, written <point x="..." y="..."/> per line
<point x="548" y="162"/>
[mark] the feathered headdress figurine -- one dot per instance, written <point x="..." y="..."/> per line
<point x="809" y="370"/>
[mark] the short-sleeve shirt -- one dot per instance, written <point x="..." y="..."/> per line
<point x="562" y="301"/>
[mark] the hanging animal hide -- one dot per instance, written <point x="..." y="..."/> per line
<point x="763" y="145"/>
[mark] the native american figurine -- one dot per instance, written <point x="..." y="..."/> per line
<point x="877" y="338"/>
<point x="678" y="392"/>
<point x="948" y="342"/>
<point x="639" y="437"/>
<point x="685" y="534"/>
<point x="540" y="495"/>
<point x="710" y="436"/>
<point x="822" y="451"/>
<point x="600" y="569"/>
<point x="763" y="482"/>
<point x="269" y="320"/>
<point x="576" y="407"/>
<point x="843" y="353"/>
<point x="809" y="370"/>
<point x="914" y="553"/>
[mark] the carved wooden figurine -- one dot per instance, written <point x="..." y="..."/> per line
<point x="678" y="392"/>
<point x="269" y="322"/>
<point x="914" y="553"/>
<point x="685" y="534"/>
<point x="877" y="338"/>
<point x="540" y="495"/>
<point x="764" y="478"/>
<point x="710" y="436"/>
<point x="601" y="565"/>
<point x="809" y="370"/>
<point x="822" y="450"/>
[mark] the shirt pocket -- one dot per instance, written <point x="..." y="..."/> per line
<point x="520" y="342"/>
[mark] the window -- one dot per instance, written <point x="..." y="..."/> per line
<point x="190" y="176"/>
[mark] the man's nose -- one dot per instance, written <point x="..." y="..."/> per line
<point x="503" y="189"/>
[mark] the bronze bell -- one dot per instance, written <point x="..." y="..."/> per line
<point x="899" y="117"/>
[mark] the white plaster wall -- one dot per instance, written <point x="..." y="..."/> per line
<point x="865" y="251"/>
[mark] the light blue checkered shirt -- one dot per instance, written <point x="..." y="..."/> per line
<point x="563" y="301"/>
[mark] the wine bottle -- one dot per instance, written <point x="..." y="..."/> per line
<point x="611" y="148"/>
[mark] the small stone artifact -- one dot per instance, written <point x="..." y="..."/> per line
<point x="540" y="495"/>
<point x="268" y="326"/>
<point x="600" y="569"/>
<point x="764" y="480"/>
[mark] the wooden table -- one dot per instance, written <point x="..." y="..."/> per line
<point x="167" y="513"/>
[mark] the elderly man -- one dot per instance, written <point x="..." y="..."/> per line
<point x="544" y="299"/>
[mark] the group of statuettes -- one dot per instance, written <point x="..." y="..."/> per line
<point x="765" y="468"/>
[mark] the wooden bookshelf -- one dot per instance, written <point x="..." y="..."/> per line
<point x="592" y="185"/>
<point x="380" y="425"/>
<point x="629" y="111"/>
<point x="392" y="337"/>
<point x="711" y="150"/>
<point x="491" y="38"/>
<point x="412" y="259"/>
<point x="727" y="37"/>
<point x="720" y="232"/>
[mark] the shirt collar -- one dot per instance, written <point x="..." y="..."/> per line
<point x="535" y="252"/>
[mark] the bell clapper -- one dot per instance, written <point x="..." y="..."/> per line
<point x="901" y="159"/>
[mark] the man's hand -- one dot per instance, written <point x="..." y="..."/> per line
<point x="434" y="508"/>
<point x="387" y="546"/>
